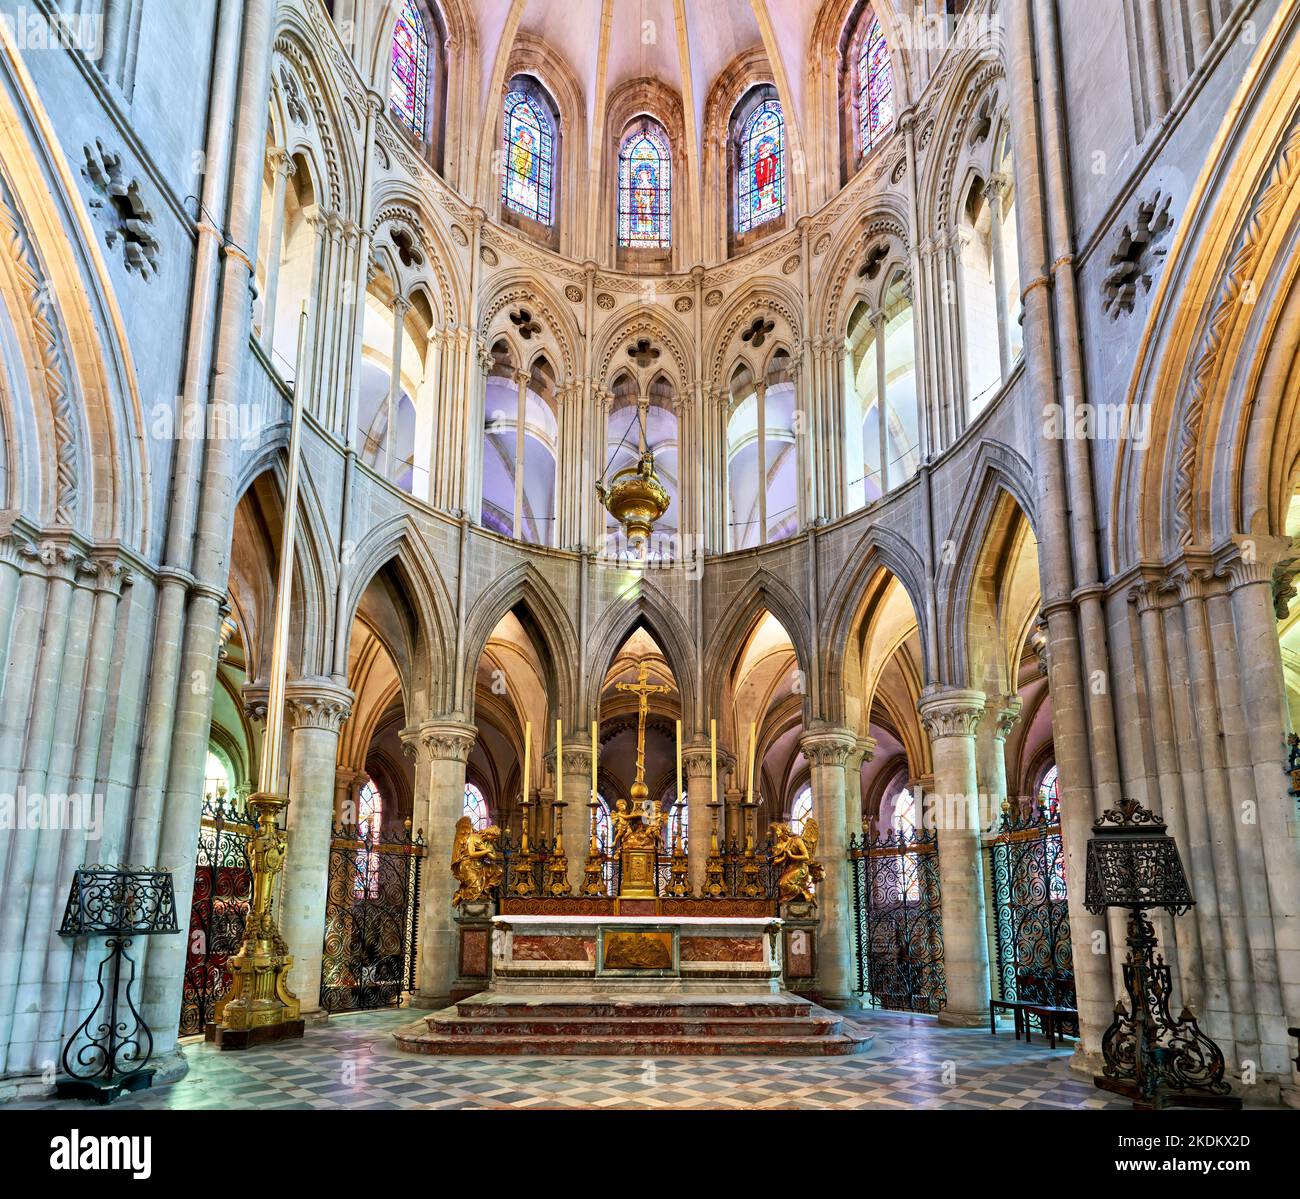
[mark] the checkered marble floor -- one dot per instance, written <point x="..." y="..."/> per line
<point x="351" y="1062"/>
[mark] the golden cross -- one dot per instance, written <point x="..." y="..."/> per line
<point x="643" y="689"/>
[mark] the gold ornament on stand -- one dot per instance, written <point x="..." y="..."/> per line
<point x="792" y="855"/>
<point x="557" y="866"/>
<point x="474" y="862"/>
<point x="259" y="1005"/>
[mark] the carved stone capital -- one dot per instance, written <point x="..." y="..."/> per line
<point x="440" y="741"/>
<point x="1004" y="715"/>
<point x="697" y="762"/>
<point x="950" y="711"/>
<point x="828" y="746"/>
<point x="317" y="704"/>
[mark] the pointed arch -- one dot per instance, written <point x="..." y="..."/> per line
<point x="762" y="593"/>
<point x="879" y="549"/>
<point x="523" y="588"/>
<point x="643" y="606"/>
<point x="400" y="543"/>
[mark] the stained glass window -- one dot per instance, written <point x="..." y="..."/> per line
<point x="1049" y="790"/>
<point x="475" y="807"/>
<point x="800" y="810"/>
<point x="529" y="150"/>
<point x="645" y="198"/>
<point x="370" y="819"/>
<point x="760" y="184"/>
<point x="408" y="80"/>
<point x="875" y="87"/>
<point x="679" y="821"/>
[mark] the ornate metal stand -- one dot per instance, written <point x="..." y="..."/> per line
<point x="1151" y="1058"/>
<point x="110" y="1050"/>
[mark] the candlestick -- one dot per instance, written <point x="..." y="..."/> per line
<point x="677" y="799"/>
<point x="528" y="756"/>
<point x="713" y="760"/>
<point x="559" y="765"/>
<point x="753" y="734"/>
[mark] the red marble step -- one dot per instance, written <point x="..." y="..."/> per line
<point x="841" y="1045"/>
<point x="462" y="1026"/>
<point x="666" y="1010"/>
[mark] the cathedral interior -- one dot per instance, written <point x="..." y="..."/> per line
<point x="539" y="533"/>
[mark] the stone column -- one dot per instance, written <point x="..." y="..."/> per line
<point x="827" y="752"/>
<point x="995" y="189"/>
<point x="282" y="166"/>
<point x="400" y="308"/>
<point x="695" y="763"/>
<point x="576" y="814"/>
<point x="991" y="751"/>
<point x="317" y="709"/>
<point x="440" y="749"/>
<point x="951" y="717"/>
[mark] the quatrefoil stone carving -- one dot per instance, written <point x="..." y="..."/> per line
<point x="757" y="332"/>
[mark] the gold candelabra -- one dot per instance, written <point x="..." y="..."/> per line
<point x="593" y="870"/>
<point x="557" y="865"/>
<point x="715" y="883"/>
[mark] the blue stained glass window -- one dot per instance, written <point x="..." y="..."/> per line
<point x="875" y="87"/>
<point x="529" y="149"/>
<point x="760" y="186"/>
<point x="408" y="80"/>
<point x="645" y="200"/>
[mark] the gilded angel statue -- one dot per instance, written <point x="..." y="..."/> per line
<point x="474" y="862"/>
<point x="792" y="855"/>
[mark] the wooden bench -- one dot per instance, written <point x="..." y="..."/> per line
<point x="1053" y="1021"/>
<point x="1017" y="1009"/>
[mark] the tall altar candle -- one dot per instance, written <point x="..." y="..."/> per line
<point x="678" y="798"/>
<point x="559" y="764"/>
<point x="753" y="732"/>
<point x="713" y="760"/>
<point x="528" y="757"/>
<point x="593" y="761"/>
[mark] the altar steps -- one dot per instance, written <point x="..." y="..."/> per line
<point x="782" y="1027"/>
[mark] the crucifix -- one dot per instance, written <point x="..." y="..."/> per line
<point x="643" y="689"/>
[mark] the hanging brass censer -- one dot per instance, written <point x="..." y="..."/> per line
<point x="635" y="498"/>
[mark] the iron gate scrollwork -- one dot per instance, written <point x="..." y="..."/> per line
<point x="898" y="926"/>
<point x="371" y="912"/>
<point x="1032" y="923"/>
<point x="223" y="888"/>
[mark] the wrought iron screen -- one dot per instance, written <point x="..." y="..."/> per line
<point x="371" y="913"/>
<point x="1031" y="920"/>
<point x="898" y="925"/>
<point x="223" y="882"/>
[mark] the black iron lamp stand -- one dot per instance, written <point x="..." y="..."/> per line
<point x="109" y="1052"/>
<point x="1150" y="1057"/>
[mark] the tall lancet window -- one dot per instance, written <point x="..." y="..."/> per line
<point x="875" y="87"/>
<point x="408" y="80"/>
<point x="760" y="183"/>
<point x="645" y="195"/>
<point x="529" y="152"/>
